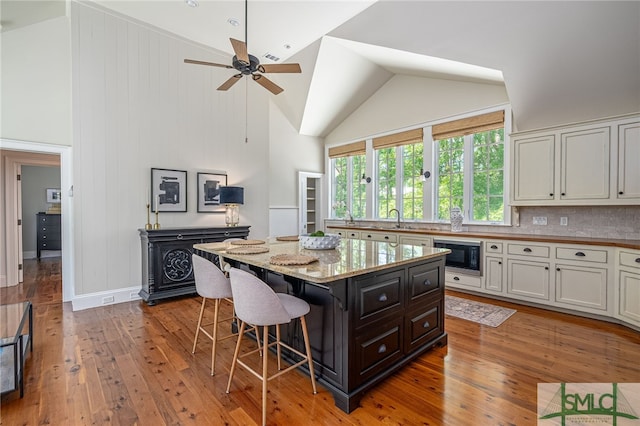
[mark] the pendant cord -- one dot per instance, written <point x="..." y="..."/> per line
<point x="246" y="111"/>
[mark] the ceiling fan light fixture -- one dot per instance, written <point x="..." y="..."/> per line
<point x="192" y="3"/>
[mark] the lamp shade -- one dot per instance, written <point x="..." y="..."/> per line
<point x="231" y="195"/>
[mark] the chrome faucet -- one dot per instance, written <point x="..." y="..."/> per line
<point x="397" y="216"/>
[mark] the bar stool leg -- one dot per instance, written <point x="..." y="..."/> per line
<point x="195" y="339"/>
<point x="307" y="347"/>
<point x="265" y="373"/>
<point x="235" y="355"/>
<point x="215" y="335"/>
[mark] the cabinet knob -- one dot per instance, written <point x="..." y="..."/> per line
<point x="558" y="269"/>
<point x="382" y="349"/>
<point x="456" y="278"/>
<point x="546" y="268"/>
<point x="427" y="282"/>
<point x="179" y="237"/>
<point x="637" y="259"/>
<point x="227" y="233"/>
<point x="527" y="250"/>
<point x="368" y="236"/>
<point x="493" y="246"/>
<point x="382" y="298"/>
<point x="386" y="237"/>
<point x="551" y="194"/>
<point x="499" y="263"/>
<point x="563" y="194"/>
<point x="580" y="254"/>
<point x="426" y="324"/>
<point x="621" y="193"/>
<point x="44" y="237"/>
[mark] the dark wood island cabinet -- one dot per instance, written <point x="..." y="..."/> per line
<point x="375" y="307"/>
<point x="166" y="258"/>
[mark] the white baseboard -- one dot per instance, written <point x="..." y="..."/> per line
<point x="104" y="298"/>
<point x="3" y="280"/>
<point x="31" y="254"/>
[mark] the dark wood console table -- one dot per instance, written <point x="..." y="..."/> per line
<point x="166" y="258"/>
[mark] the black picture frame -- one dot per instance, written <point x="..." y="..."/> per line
<point x="209" y="184"/>
<point x="168" y="190"/>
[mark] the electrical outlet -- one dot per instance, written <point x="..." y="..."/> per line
<point x="539" y="220"/>
<point x="108" y="299"/>
<point x="564" y="221"/>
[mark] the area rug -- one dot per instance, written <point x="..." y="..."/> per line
<point x="482" y="313"/>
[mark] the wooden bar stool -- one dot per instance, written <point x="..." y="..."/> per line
<point x="211" y="283"/>
<point x="256" y="303"/>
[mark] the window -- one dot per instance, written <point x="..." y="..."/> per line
<point x="399" y="160"/>
<point x="476" y="186"/>
<point x="348" y="195"/>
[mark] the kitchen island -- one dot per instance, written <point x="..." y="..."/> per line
<point x="375" y="306"/>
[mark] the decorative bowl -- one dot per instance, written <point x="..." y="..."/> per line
<point x="327" y="242"/>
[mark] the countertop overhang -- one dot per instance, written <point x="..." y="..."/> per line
<point x="349" y="259"/>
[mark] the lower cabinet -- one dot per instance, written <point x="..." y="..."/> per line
<point x="528" y="279"/>
<point x="493" y="274"/>
<point x="582" y="287"/>
<point x="628" y="290"/>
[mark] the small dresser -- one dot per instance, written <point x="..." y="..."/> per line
<point x="49" y="232"/>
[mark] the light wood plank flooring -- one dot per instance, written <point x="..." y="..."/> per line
<point x="131" y="364"/>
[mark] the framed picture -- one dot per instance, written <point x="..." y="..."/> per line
<point x="168" y="190"/>
<point x="209" y="192"/>
<point x="54" y="195"/>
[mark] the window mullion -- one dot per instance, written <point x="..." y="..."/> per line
<point x="468" y="177"/>
<point x="399" y="182"/>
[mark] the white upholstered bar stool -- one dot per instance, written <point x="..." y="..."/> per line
<point x="211" y="283"/>
<point x="256" y="303"/>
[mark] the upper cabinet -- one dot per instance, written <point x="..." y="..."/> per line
<point x="591" y="164"/>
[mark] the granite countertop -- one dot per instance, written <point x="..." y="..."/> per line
<point x="349" y="259"/>
<point x="561" y="239"/>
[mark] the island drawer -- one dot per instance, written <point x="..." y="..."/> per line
<point x="379" y="236"/>
<point x="378" y="295"/>
<point x="424" y="325"/>
<point x="424" y="282"/>
<point x="378" y="348"/>
<point x="493" y="247"/>
<point x="585" y="255"/>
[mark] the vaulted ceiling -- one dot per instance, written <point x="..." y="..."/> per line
<point x="560" y="61"/>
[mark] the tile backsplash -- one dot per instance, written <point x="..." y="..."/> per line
<point x="621" y="222"/>
<point x="615" y="222"/>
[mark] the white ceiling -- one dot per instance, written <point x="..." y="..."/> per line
<point x="560" y="61"/>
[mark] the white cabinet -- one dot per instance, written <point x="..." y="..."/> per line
<point x="493" y="274"/>
<point x="597" y="163"/>
<point x="628" y="291"/>
<point x="528" y="279"/>
<point x="584" y="164"/>
<point x="582" y="287"/>
<point x="462" y="281"/>
<point x="628" y="183"/>
<point x="533" y="168"/>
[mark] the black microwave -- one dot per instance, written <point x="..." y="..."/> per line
<point x="465" y="256"/>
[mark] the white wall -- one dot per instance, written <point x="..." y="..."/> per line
<point x="36" y="83"/>
<point x="407" y="101"/>
<point x="137" y="105"/>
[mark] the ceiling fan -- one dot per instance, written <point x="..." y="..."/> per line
<point x="248" y="64"/>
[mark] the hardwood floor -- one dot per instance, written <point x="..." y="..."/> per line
<point x="131" y="364"/>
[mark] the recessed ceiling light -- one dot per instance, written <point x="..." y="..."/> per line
<point x="287" y="46"/>
<point x="233" y="21"/>
<point x="192" y="3"/>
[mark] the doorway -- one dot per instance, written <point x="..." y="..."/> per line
<point x="15" y="154"/>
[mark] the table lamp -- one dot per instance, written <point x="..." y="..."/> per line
<point x="232" y="197"/>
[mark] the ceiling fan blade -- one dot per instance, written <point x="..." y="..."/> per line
<point x="240" y="47"/>
<point x="233" y="80"/>
<point x="212" y="64"/>
<point x="290" y="68"/>
<point x="267" y="84"/>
